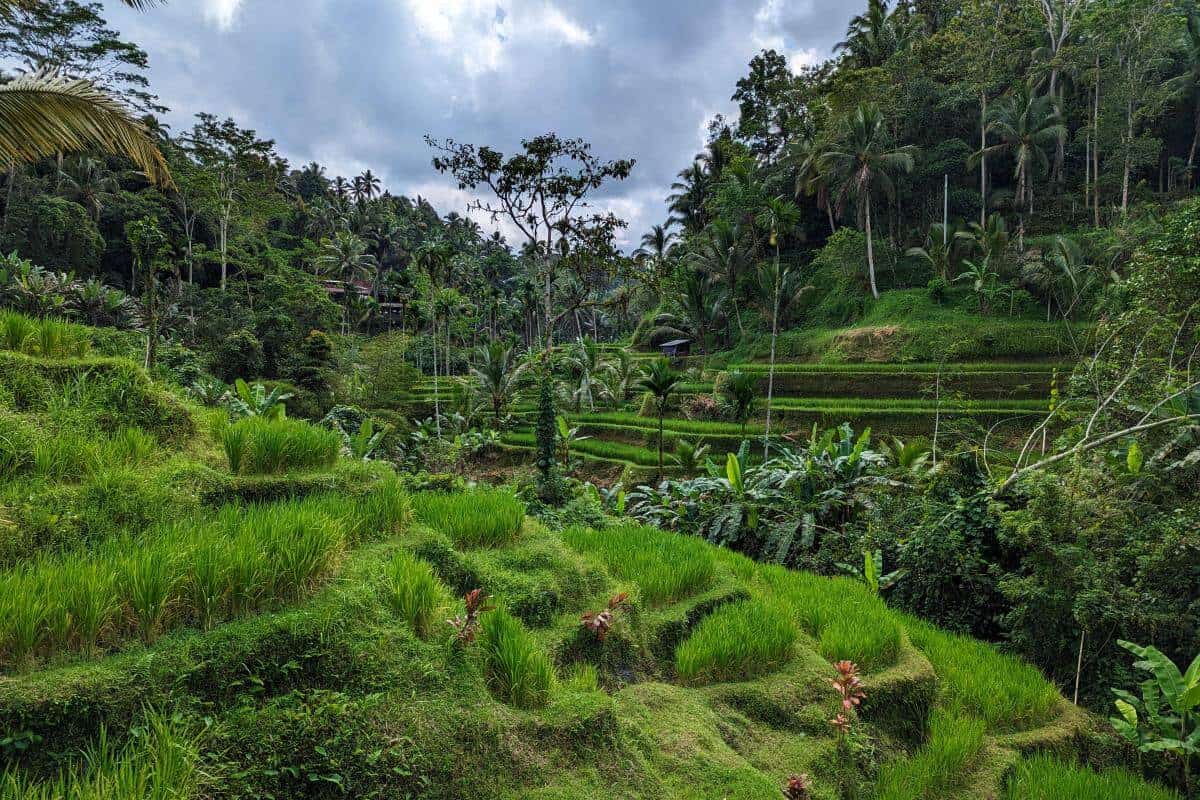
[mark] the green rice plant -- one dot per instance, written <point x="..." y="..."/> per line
<point x="941" y="766"/>
<point x="978" y="680"/>
<point x="17" y="332"/>
<point x="736" y="642"/>
<point x="666" y="567"/>
<point x="68" y="455"/>
<point x="22" y="625"/>
<point x="149" y="578"/>
<point x="300" y="544"/>
<point x="1043" y="777"/>
<point x="265" y="446"/>
<point x="582" y="676"/>
<point x="208" y="584"/>
<point x="91" y="600"/>
<point x="413" y="592"/>
<point x="518" y="670"/>
<point x="58" y="339"/>
<point x="128" y="446"/>
<point x="476" y="518"/>
<point x="848" y="622"/>
<point x="16" y="445"/>
<point x="248" y="576"/>
<point x="385" y="510"/>
<point x="159" y="764"/>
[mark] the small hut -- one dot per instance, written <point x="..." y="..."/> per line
<point x="677" y="348"/>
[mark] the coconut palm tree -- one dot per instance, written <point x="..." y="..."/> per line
<point x="586" y="361"/>
<point x="724" y="255"/>
<point x="368" y="185"/>
<point x="803" y="156"/>
<point x="1188" y="84"/>
<point x="44" y="113"/>
<point x="688" y="195"/>
<point x="497" y="375"/>
<point x="1027" y="126"/>
<point x="89" y="182"/>
<point x="656" y="248"/>
<point x="779" y="217"/>
<point x="862" y="165"/>
<point x="742" y="389"/>
<point x="943" y="250"/>
<point x="346" y="257"/>
<point x="661" y="382"/>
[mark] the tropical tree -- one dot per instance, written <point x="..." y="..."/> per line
<point x="497" y="375"/>
<point x="943" y="250"/>
<point x="1188" y="84"/>
<point x="742" y="390"/>
<point x="345" y="256"/>
<point x="1027" y="125"/>
<point x="779" y="218"/>
<point x="44" y="113"/>
<point x="862" y="165"/>
<point x="586" y="361"/>
<point x="661" y="382"/>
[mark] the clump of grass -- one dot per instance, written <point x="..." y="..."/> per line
<point x="942" y="765"/>
<point x="665" y="566"/>
<point x="413" y="592"/>
<point x="48" y="338"/>
<point x="518" y="670"/>
<point x="1042" y="777"/>
<point x="195" y="571"/>
<point x="848" y="622"/>
<point x="129" y="446"/>
<point x="582" y="677"/>
<point x="980" y="681"/>
<point x="261" y="446"/>
<point x="735" y="642"/>
<point x="159" y="765"/>
<point x="477" y="518"/>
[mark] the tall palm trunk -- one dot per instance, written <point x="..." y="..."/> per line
<point x="437" y="412"/>
<point x="771" y="366"/>
<point x="1191" y="162"/>
<point x="661" y="411"/>
<point x="983" y="158"/>
<point x="871" y="254"/>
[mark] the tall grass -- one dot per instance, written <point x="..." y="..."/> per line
<point x="944" y="764"/>
<point x="194" y="572"/>
<point x="518" y="670"/>
<point x="260" y="446"/>
<point x="1042" y="777"/>
<point x="847" y="621"/>
<point x="736" y="642"/>
<point x="413" y="592"/>
<point x="159" y="765"/>
<point x="978" y="680"/>
<point x="476" y="518"/>
<point x="665" y="566"/>
<point x="48" y="338"/>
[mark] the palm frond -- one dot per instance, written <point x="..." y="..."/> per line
<point x="44" y="113"/>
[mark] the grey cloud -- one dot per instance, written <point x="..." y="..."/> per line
<point x="356" y="83"/>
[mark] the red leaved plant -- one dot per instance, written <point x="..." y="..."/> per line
<point x="466" y="625"/>
<point x="601" y="622"/>
<point x="849" y="686"/>
<point x="798" y="787"/>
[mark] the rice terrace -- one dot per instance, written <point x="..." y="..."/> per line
<point x="726" y="400"/>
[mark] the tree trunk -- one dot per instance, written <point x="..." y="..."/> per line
<point x="983" y="158"/>
<point x="1195" y="140"/>
<point x="437" y="413"/>
<point x="660" y="440"/>
<point x="771" y="367"/>
<point x="871" y="254"/>
<point x="1096" y="149"/>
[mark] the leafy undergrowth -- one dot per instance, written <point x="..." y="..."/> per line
<point x="323" y="634"/>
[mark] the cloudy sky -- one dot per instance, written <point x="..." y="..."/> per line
<point x="356" y="83"/>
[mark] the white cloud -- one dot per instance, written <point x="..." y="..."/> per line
<point x="567" y="30"/>
<point x="769" y="32"/>
<point x="222" y="12"/>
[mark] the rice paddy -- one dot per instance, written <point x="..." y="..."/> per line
<point x="518" y="670"/>
<point x="666" y="568"/>
<point x="476" y="518"/>
<point x="261" y="446"/>
<point x="736" y="642"/>
<point x="1043" y="777"/>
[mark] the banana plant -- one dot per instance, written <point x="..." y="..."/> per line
<point x="255" y="401"/>
<point x="366" y="441"/>
<point x="1166" y="718"/>
<point x="872" y="574"/>
<point x="566" y="438"/>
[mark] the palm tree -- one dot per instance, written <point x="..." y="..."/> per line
<point x="368" y="184"/>
<point x="89" y="182"/>
<point x="943" y="250"/>
<point x="656" y="247"/>
<point x="341" y="189"/>
<point x="346" y="257"/>
<point x="497" y="375"/>
<point x="874" y="36"/>
<point x="742" y="388"/>
<point x="991" y="239"/>
<point x="661" y="382"/>
<point x="1027" y="125"/>
<point x="43" y="114"/>
<point x="863" y="165"/>
<point x="700" y="305"/>
<point x="723" y="255"/>
<point x="688" y="195"/>
<point x="780" y="218"/>
<point x="586" y="361"/>
<point x="804" y="156"/>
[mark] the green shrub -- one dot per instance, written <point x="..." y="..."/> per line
<point x="476" y="518"/>
<point x="736" y="642"/>
<point x="1043" y="777"/>
<point x="261" y="446"/>
<point x="518" y="670"/>
<point x="414" y="592"/>
<point x="665" y="566"/>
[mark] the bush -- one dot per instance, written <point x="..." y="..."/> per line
<point x="518" y="670"/>
<point x="477" y="518"/>
<point x="238" y="355"/>
<point x="261" y="446"/>
<point x="413" y="592"/>
<point x="736" y="642"/>
<point x="937" y="289"/>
